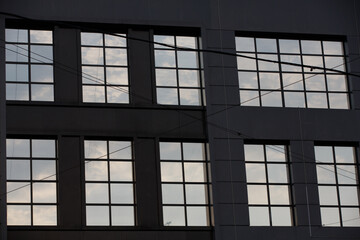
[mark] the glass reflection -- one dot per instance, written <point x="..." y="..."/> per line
<point x="92" y="55"/>
<point x="115" y="41"/>
<point x="271" y="99"/>
<point x="95" y="149"/>
<point x="268" y="66"/>
<point x="168" y="96"/>
<point x="13" y="213"/>
<point x="279" y="195"/>
<point x="120" y="150"/>
<point x="325" y="174"/>
<point x="41" y="54"/>
<point x="170" y="151"/>
<point x="316" y="100"/>
<point x="194" y="172"/>
<point x="193" y="151"/>
<point x="18" y="192"/>
<point x="254" y="153"/>
<point x="164" y="58"/>
<point x="289" y="46"/>
<point x="248" y="80"/>
<point x="311" y="47"/>
<point x="266" y="45"/>
<point x="17" y="148"/>
<point x="44" y="192"/>
<point x="17" y="73"/>
<point x="169" y="40"/>
<point x="97" y="215"/>
<point x="44" y="215"/>
<point x="333" y="48"/>
<point x="292" y="81"/>
<point x="190" y="97"/>
<point x="173" y="216"/>
<point x="16" y="35"/>
<point x="330" y="217"/>
<point x="257" y="194"/>
<point x="171" y="172"/>
<point x="328" y="195"/>
<point x="196" y="193"/>
<point x="269" y="80"/>
<point x="18" y="170"/>
<point x="277" y="173"/>
<point x="166" y="77"/>
<point x="255" y="173"/>
<point x="121" y="171"/>
<point x="188" y="78"/>
<point x="259" y="216"/>
<point x="122" y="193"/>
<point x="93" y="94"/>
<point x="349" y="196"/>
<point x="344" y="154"/>
<point x="42" y="92"/>
<point x="197" y="216"/>
<point x="294" y="99"/>
<point x="245" y="44"/>
<point x="187" y="59"/>
<point x="117" y="94"/>
<point x="249" y="98"/>
<point x="115" y="56"/>
<point x="339" y="100"/>
<point x="324" y="154"/>
<point x="186" y="42"/>
<point x="244" y="63"/>
<point x="122" y="216"/>
<point x="42" y="73"/>
<point x="172" y="193"/>
<point x="281" y="216"/>
<point x="350" y="217"/>
<point x="97" y="193"/>
<point x="41" y="36"/>
<point x="96" y="170"/>
<point x="92" y="75"/>
<point x="43" y="148"/>
<point x="16" y="53"/>
<point x="44" y="170"/>
<point x="116" y="75"/>
<point x="315" y="82"/>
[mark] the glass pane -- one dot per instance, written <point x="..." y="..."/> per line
<point x="269" y="81"/>
<point x="18" y="170"/>
<point x="344" y="154"/>
<point x="245" y="44"/>
<point x="313" y="61"/>
<point x="97" y="193"/>
<point x="333" y="48"/>
<point x="328" y="195"/>
<point x="193" y="151"/>
<point x="275" y="153"/>
<point x="91" y="55"/>
<point x="16" y="35"/>
<point x="196" y="194"/>
<point x="197" y="216"/>
<point x="41" y="36"/>
<point x="279" y="195"/>
<point x="42" y="73"/>
<point x="315" y="82"/>
<point x="350" y="217"/>
<point x="316" y="100"/>
<point x="190" y="97"/>
<point x="277" y="173"/>
<point x="16" y="53"/>
<point x="268" y="66"/>
<point x="174" y="216"/>
<point x="169" y="40"/>
<point x="170" y="151"/>
<point x="122" y="216"/>
<point x="189" y="78"/>
<point x="41" y="54"/>
<point x="257" y="194"/>
<point x="336" y="63"/>
<point x="18" y="215"/>
<point x="117" y="76"/>
<point x="349" y="196"/>
<point x="266" y="45"/>
<point x="121" y="171"/>
<point x="330" y="217"/>
<point x="95" y="149"/>
<point x="171" y="172"/>
<point x="187" y="59"/>
<point x="115" y="41"/>
<point x="346" y="174"/>
<point x="93" y="75"/>
<point x="96" y="171"/>
<point x="17" y="148"/>
<point x="17" y="73"/>
<point x="323" y="154"/>
<point x="42" y="92"/>
<point x="289" y="46"/>
<point x="44" y="192"/>
<point x="255" y="173"/>
<point x="97" y="215"/>
<point x="292" y="81"/>
<point x="18" y="192"/>
<point x="248" y="80"/>
<point x="259" y="216"/>
<point x="44" y="170"/>
<point x="186" y="42"/>
<point x="281" y="216"/>
<point x="290" y="59"/>
<point x="45" y="215"/>
<point x="254" y="153"/>
<point x="172" y="193"/>
<point x="167" y="96"/>
<point x="271" y="99"/>
<point x="244" y="63"/>
<point x="92" y="39"/>
<point x="120" y="150"/>
<point x="194" y="172"/>
<point x="294" y="99"/>
<point x="117" y="94"/>
<point x="311" y="47"/>
<point x="166" y="77"/>
<point x="122" y="193"/>
<point x="114" y="56"/>
<point x="93" y="94"/>
<point x="249" y="98"/>
<point x="164" y="58"/>
<point x="325" y="174"/>
<point x="336" y="82"/>
<point x="339" y="100"/>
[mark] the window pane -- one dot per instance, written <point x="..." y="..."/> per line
<point x="121" y="171"/>
<point x="269" y="81"/>
<point x="97" y="193"/>
<point x="17" y="73"/>
<point x="281" y="216"/>
<point x="18" y="192"/>
<point x="43" y="148"/>
<point x="193" y="151"/>
<point x="257" y="194"/>
<point x="292" y="81"/>
<point x="344" y="155"/>
<point x="349" y="196"/>
<point x="194" y="172"/>
<point x="187" y="59"/>
<point x="170" y="151"/>
<point x="336" y="82"/>
<point x="249" y="98"/>
<point x="333" y="48"/>
<point x="266" y="45"/>
<point x="189" y="78"/>
<point x="196" y="194"/>
<point x="91" y="39"/>
<point x="171" y="172"/>
<point x="279" y="195"/>
<point x="311" y="47"/>
<point x="17" y="92"/>
<point x="275" y="153"/>
<point x="44" y="170"/>
<point x="91" y="55"/>
<point x="346" y="174"/>
<point x="117" y="76"/>
<point x="166" y="77"/>
<point x="324" y="154"/>
<point x="190" y="97"/>
<point x="16" y="53"/>
<point x="248" y="80"/>
<point x="172" y="193"/>
<point x="328" y="195"/>
<point x="164" y="58"/>
<point x="254" y="153"/>
<point x="41" y="36"/>
<point x="41" y="54"/>
<point x="315" y="82"/>
<point x="42" y="93"/>
<point x="277" y="173"/>
<point x="92" y="75"/>
<point x="45" y="215"/>
<point x="325" y="174"/>
<point x="245" y="44"/>
<point x="18" y="170"/>
<point x="350" y="217"/>
<point x="174" y="216"/>
<point x="114" y="56"/>
<point x="44" y="192"/>
<point x="316" y="100"/>
<point x="95" y="149"/>
<point x="336" y="63"/>
<point x="115" y="41"/>
<point x="18" y="215"/>
<point x="289" y="46"/>
<point x="167" y="96"/>
<point x="197" y="216"/>
<point x="42" y="73"/>
<point x="120" y="150"/>
<point x="122" y="216"/>
<point x="255" y="173"/>
<point x="268" y="66"/>
<point x="16" y="35"/>
<point x="294" y="99"/>
<point x="271" y="99"/>
<point x="290" y="59"/>
<point x="259" y="216"/>
<point x="338" y="100"/>
<point x="122" y="193"/>
<point x="17" y="148"/>
<point x="169" y="40"/>
<point x="93" y="94"/>
<point x="313" y="61"/>
<point x="96" y="171"/>
<point x="97" y="215"/>
<point x="244" y="63"/>
<point x="330" y="217"/>
<point x="117" y="94"/>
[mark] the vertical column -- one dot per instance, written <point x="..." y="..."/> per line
<point x="3" y="233"/>
<point x="140" y="64"/>
<point x="67" y="71"/>
<point x="147" y="187"/>
<point x="69" y="187"/>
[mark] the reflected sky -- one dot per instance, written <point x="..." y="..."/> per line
<point x="16" y="35"/>
<point x="172" y="193"/>
<point x="122" y="216"/>
<point x="173" y="216"/>
<point x="294" y="99"/>
<point x="97" y="216"/>
<point x="281" y="216"/>
<point x="17" y="73"/>
<point x="13" y="213"/>
<point x="170" y="151"/>
<point x="248" y="80"/>
<point x="121" y="171"/>
<point x="311" y="47"/>
<point x="330" y="217"/>
<point x="266" y="45"/>
<point x="194" y="172"/>
<point x="249" y="98"/>
<point x="269" y="80"/>
<point x="268" y="66"/>
<point x="190" y="97"/>
<point x="196" y="193"/>
<point x="122" y="193"/>
<point x="257" y="194"/>
<point x="44" y="192"/>
<point x="197" y="216"/>
<point x="94" y="94"/>
<point x="259" y="216"/>
<point x="289" y="46"/>
<point x="271" y="99"/>
<point x="18" y="170"/>
<point x="114" y="41"/>
<point x="92" y="39"/>
<point x="41" y="36"/>
<point x="186" y="42"/>
<point x="194" y="151"/>
<point x="245" y="44"/>
<point x="45" y="215"/>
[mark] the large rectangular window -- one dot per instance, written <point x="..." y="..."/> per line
<point x="29" y="65"/>
<point x="104" y="68"/>
<point x="178" y="72"/>
<point x="109" y="183"/>
<point x="268" y="185"/>
<point x="274" y="84"/>
<point x="31" y="182"/>
<point x="184" y="184"/>
<point x="338" y="185"/>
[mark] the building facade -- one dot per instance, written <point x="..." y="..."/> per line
<point x="179" y="119"/>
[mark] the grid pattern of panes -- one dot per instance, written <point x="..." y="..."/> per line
<point x="338" y="186"/>
<point x="104" y="68"/>
<point x="281" y="85"/>
<point x="184" y="184"/>
<point x="31" y="182"/>
<point x="178" y="72"/>
<point x="29" y="65"/>
<point x="109" y="183"/>
<point x="268" y="185"/>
